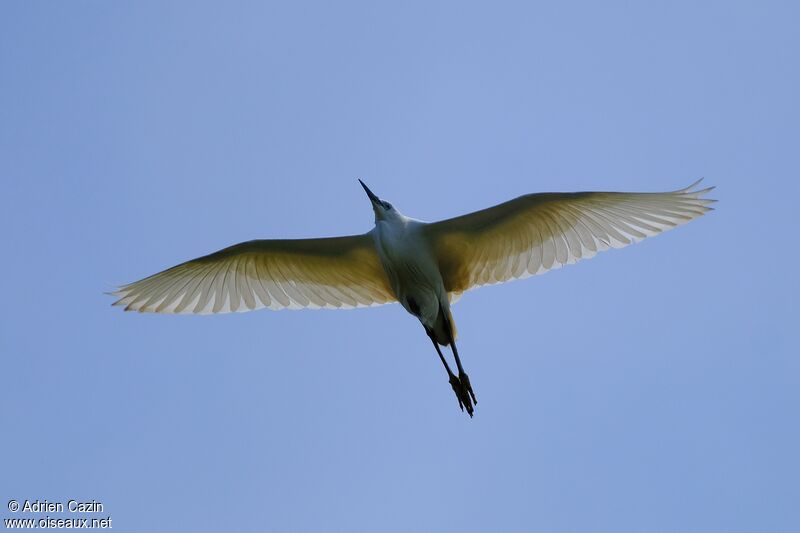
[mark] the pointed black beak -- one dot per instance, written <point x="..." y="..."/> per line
<point x="371" y="195"/>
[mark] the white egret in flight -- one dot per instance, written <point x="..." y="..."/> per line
<point x="424" y="266"/>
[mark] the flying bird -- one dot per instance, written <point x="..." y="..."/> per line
<point x="423" y="266"/>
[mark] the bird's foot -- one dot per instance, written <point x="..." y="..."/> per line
<point x="462" y="393"/>
<point x="464" y="378"/>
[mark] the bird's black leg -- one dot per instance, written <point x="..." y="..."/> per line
<point x="455" y="383"/>
<point x="462" y="376"/>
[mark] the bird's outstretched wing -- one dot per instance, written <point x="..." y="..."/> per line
<point x="539" y="232"/>
<point x="338" y="272"/>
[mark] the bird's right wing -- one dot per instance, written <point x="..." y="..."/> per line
<point x="539" y="232"/>
<point x="338" y="272"/>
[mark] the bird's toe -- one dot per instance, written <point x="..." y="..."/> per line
<point x="456" y="385"/>
<point x="467" y="387"/>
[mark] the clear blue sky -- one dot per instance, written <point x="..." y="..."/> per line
<point x="653" y="388"/>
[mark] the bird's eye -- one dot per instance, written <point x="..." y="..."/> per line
<point x="387" y="205"/>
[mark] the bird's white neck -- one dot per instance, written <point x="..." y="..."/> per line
<point x="392" y="218"/>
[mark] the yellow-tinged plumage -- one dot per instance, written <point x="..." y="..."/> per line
<point x="338" y="272"/>
<point x="539" y="232"/>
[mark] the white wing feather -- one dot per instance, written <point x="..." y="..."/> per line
<point x="539" y="232"/>
<point x="338" y="272"/>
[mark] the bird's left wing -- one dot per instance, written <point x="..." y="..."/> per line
<point x="539" y="232"/>
<point x="337" y="272"/>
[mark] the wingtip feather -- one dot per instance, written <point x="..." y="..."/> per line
<point x="690" y="187"/>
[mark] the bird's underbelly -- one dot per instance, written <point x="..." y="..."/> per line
<point x="418" y="295"/>
<point x="415" y="280"/>
<point x="422" y="294"/>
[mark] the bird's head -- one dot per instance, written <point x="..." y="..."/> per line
<point x="383" y="209"/>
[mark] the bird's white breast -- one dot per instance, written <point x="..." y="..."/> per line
<point x="411" y="267"/>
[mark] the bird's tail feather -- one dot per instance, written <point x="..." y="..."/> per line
<point x="445" y="327"/>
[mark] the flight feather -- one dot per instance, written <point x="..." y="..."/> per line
<point x="337" y="272"/>
<point x="539" y="232"/>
